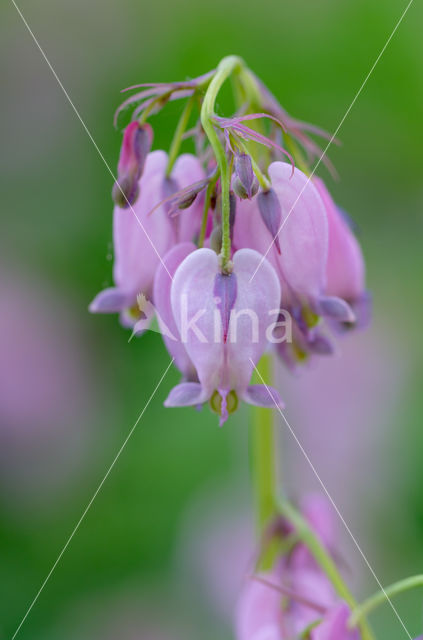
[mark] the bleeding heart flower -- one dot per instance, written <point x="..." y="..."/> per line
<point x="140" y="241"/>
<point x="222" y="320"/>
<point x="345" y="266"/>
<point x="142" y="238"/>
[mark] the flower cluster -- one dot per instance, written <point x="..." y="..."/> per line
<point x="236" y="249"/>
<point x="296" y="599"/>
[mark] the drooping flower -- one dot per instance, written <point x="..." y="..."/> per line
<point x="308" y="248"/>
<point x="140" y="241"/>
<point x="222" y="320"/>
<point x="296" y="599"/>
<point x="345" y="270"/>
<point x="141" y="238"/>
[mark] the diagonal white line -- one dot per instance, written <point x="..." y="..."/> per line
<point x="303" y="451"/>
<point x="88" y="133"/>
<point x="335" y="132"/>
<point x="75" y="529"/>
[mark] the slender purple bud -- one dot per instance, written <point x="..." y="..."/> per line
<point x="271" y="214"/>
<point x="225" y="290"/>
<point x="245" y="182"/>
<point x="136" y="144"/>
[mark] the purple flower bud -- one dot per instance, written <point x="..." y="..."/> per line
<point x="270" y="210"/>
<point x="245" y="183"/>
<point x="137" y="140"/>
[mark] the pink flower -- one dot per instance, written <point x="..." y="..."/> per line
<point x="143" y="236"/>
<point x="335" y="625"/>
<point x="296" y="595"/>
<point x="316" y="256"/>
<point x="222" y="320"/>
<point x="345" y="270"/>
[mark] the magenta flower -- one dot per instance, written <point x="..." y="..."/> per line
<point x="142" y="238"/>
<point x="222" y="320"/>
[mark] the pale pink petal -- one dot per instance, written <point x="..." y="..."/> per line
<point x="141" y="240"/>
<point x="256" y="308"/>
<point x="195" y="313"/>
<point x="304" y="236"/>
<point x="188" y="170"/>
<point x="345" y="266"/>
<point x="162" y="303"/>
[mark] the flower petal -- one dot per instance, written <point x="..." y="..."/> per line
<point x="304" y="235"/>
<point x="162" y="302"/>
<point x="197" y="316"/>
<point x="187" y="394"/>
<point x="110" y="300"/>
<point x="141" y="240"/>
<point x="263" y="396"/>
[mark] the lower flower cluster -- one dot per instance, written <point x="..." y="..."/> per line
<point x="296" y="599"/>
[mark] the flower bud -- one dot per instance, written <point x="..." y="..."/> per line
<point x="270" y="210"/>
<point x="216" y="239"/>
<point x="137" y="140"/>
<point x="245" y="183"/>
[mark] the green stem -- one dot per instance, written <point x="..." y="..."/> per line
<point x="362" y="610"/>
<point x="226" y="67"/>
<point x="263" y="463"/>
<point x="180" y="130"/>
<point x="324" y="560"/>
<point x="209" y="192"/>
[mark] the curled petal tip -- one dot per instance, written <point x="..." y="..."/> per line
<point x="110" y="300"/>
<point x="337" y="309"/>
<point x="261" y="395"/>
<point x="186" y="394"/>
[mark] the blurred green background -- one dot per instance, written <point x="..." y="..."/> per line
<point x="73" y="386"/>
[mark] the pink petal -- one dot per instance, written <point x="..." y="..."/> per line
<point x="188" y="170"/>
<point x="256" y="308"/>
<point x="262" y="396"/>
<point x="161" y="299"/>
<point x="304" y="236"/>
<point x="345" y="266"/>
<point x="141" y="240"/>
<point x="187" y="394"/>
<point x="192" y="300"/>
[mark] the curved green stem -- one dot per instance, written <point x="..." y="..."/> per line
<point x="179" y="132"/>
<point x="324" y="560"/>
<point x="383" y="596"/>
<point x="226" y="67"/>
